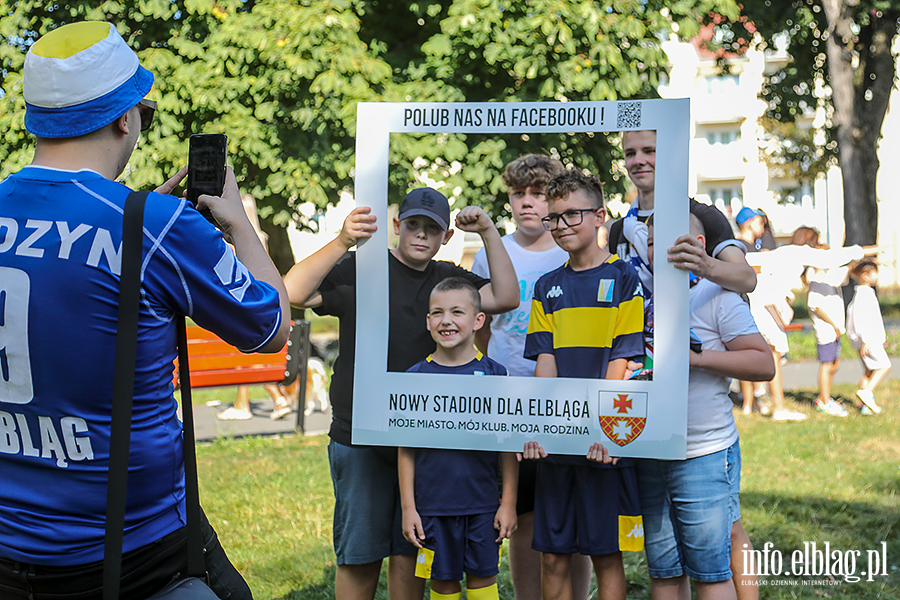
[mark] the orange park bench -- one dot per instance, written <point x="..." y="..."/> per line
<point x="216" y="363"/>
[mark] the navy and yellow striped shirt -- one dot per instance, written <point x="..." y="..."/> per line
<point x="587" y="318"/>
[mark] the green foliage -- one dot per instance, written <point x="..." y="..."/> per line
<point x="842" y="60"/>
<point x="795" y="152"/>
<point x="801" y="27"/>
<point x="282" y="79"/>
<point x="543" y="50"/>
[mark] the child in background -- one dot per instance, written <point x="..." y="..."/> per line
<point x="690" y="507"/>
<point x="586" y="322"/>
<point x="865" y="328"/>
<point x="779" y="271"/>
<point x="451" y="511"/>
<point x="826" y="308"/>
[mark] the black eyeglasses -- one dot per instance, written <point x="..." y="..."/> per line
<point x="146" y="109"/>
<point x="571" y="218"/>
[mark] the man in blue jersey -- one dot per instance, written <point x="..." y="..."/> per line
<point x="452" y="511"/>
<point x="60" y="264"/>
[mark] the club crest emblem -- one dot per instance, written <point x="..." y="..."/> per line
<point x="623" y="415"/>
<point x="605" y="290"/>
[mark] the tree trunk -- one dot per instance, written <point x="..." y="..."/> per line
<point x="860" y="98"/>
<point x="279" y="246"/>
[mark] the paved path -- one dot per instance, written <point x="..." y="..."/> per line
<point x="804" y="374"/>
<point x="208" y="427"/>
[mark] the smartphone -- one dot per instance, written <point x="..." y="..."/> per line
<point x="207" y="157"/>
<point x="696" y="344"/>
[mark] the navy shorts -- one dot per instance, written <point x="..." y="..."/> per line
<point x="830" y="352"/>
<point x="367" y="515"/>
<point x="586" y="509"/>
<point x="464" y="544"/>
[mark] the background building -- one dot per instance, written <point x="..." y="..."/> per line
<point x="726" y="136"/>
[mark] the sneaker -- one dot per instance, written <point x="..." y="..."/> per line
<point x="868" y="399"/>
<point x="282" y="409"/>
<point x="787" y="415"/>
<point x="867" y="412"/>
<point x="833" y="408"/>
<point x="234" y="414"/>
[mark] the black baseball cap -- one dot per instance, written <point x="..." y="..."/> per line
<point x="429" y="203"/>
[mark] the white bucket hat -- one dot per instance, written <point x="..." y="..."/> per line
<point x="79" y="78"/>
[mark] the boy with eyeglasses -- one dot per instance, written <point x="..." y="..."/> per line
<point x="587" y="320"/>
<point x="533" y="253"/>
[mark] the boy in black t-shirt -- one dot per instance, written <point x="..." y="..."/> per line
<point x="367" y="514"/>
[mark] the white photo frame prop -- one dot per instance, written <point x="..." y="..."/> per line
<point x="631" y="418"/>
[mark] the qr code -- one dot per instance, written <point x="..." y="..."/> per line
<point x="628" y="115"/>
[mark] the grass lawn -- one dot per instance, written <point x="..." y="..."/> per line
<point x="802" y="344"/>
<point x="822" y="480"/>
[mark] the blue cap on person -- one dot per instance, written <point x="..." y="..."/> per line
<point x="429" y="203"/>
<point x="79" y="78"/>
<point x="745" y="215"/>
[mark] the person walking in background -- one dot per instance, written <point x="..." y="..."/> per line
<point x="779" y="272"/>
<point x="826" y="309"/>
<point x="240" y="410"/>
<point x="865" y="328"/>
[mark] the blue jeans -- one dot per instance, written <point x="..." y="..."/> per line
<point x="689" y="507"/>
<point x="145" y="571"/>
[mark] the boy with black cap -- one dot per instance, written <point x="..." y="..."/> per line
<point x="367" y="516"/>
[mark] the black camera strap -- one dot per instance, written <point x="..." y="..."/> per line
<point x="123" y="396"/>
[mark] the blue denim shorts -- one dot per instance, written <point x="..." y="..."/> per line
<point x="689" y="507"/>
<point x="367" y="514"/>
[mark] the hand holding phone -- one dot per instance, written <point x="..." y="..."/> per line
<point x="207" y="159"/>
